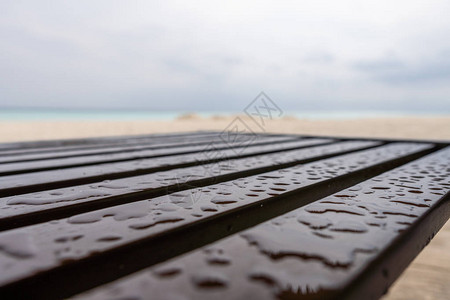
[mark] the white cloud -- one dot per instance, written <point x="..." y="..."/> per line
<point x="220" y="54"/>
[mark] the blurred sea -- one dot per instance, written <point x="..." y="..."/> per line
<point x="8" y="114"/>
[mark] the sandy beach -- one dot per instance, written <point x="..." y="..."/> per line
<point x="426" y="278"/>
<point x="432" y="128"/>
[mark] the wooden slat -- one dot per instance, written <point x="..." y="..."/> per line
<point x="122" y="143"/>
<point x="55" y="145"/>
<point x="109" y="149"/>
<point x="22" y="183"/>
<point x="74" y="161"/>
<point x="351" y="245"/>
<point x="76" y="243"/>
<point x="56" y="203"/>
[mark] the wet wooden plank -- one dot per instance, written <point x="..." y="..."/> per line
<point x="22" y="183"/>
<point x="55" y="145"/>
<point x="84" y="160"/>
<point x="122" y="141"/>
<point x="351" y="245"/>
<point x="109" y="149"/>
<point x="56" y="203"/>
<point x="53" y="249"/>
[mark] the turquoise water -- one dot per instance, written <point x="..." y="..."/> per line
<point x="99" y="115"/>
<point x="132" y="115"/>
<point x="74" y="115"/>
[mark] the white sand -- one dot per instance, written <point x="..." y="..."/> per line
<point x="407" y="127"/>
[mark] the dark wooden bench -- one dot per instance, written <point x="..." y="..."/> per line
<point x="209" y="214"/>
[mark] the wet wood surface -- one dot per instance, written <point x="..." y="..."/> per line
<point x="200" y="215"/>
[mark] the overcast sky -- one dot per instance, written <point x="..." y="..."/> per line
<point x="218" y="55"/>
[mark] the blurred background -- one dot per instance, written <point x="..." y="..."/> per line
<point x="139" y="60"/>
<point x="352" y="68"/>
<point x="345" y="68"/>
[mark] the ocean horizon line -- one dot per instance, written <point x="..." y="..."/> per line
<point x="53" y="114"/>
